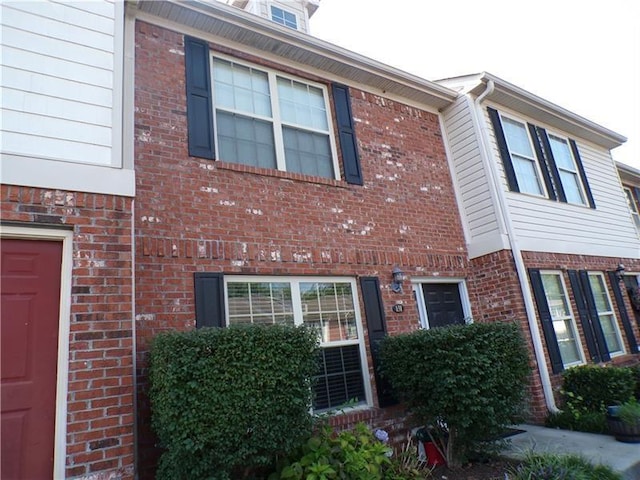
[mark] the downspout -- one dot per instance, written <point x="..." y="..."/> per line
<point x="521" y="270"/>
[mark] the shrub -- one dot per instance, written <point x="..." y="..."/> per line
<point x="591" y="388"/>
<point x="592" y="422"/>
<point x="548" y="466"/>
<point x="466" y="382"/>
<point x="227" y="399"/>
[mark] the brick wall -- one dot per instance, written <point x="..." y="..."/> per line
<point x="100" y="440"/>
<point x="200" y="215"/>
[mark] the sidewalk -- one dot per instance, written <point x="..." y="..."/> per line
<point x="604" y="449"/>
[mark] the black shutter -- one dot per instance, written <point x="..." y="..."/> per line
<point x="583" y="313"/>
<point x="622" y="309"/>
<point x="546" y="321"/>
<point x="598" y="334"/>
<point x="552" y="164"/>
<point x="504" y="150"/>
<point x="377" y="329"/>
<point x="348" y="143"/>
<point x="199" y="113"/>
<point x="583" y="175"/>
<point x="209" y="298"/>
<point x="541" y="160"/>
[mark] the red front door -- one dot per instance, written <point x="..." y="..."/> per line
<point x="29" y="340"/>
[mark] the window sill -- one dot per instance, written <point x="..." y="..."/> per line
<point x="268" y="172"/>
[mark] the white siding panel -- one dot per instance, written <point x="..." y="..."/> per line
<point x="52" y="127"/>
<point x="96" y="7"/>
<point x="59" y="49"/>
<point x="56" y="87"/>
<point x="54" y="29"/>
<point x="67" y="14"/>
<point x="29" y="102"/>
<point x="55" y="67"/>
<point x="41" y="147"/>
<point x="477" y="205"/>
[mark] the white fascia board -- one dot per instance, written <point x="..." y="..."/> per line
<point x="260" y="33"/>
<point x="60" y="175"/>
<point x="516" y="98"/>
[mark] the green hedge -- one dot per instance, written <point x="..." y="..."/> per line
<point x="227" y="400"/>
<point x="593" y="387"/>
<point x="471" y="378"/>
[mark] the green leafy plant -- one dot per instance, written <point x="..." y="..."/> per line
<point x="227" y="401"/>
<point x="351" y="454"/>
<point x="466" y="382"/>
<point x="629" y="412"/>
<point x="547" y="466"/>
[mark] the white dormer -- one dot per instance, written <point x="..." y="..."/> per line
<point x="290" y="13"/>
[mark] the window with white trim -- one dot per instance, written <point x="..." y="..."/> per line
<point x="606" y="316"/>
<point x="269" y="120"/>
<point x="567" y="169"/>
<point x="328" y="304"/>
<point x="632" y="206"/>
<point x="564" y="323"/>
<point x="523" y="157"/>
<point x="284" y="17"/>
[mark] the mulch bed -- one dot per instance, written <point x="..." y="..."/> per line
<point x="491" y="470"/>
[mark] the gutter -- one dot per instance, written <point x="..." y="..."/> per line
<point x="521" y="270"/>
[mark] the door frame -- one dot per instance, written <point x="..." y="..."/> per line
<point x="416" y="285"/>
<point x="66" y="237"/>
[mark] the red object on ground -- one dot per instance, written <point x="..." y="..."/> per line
<point x="434" y="457"/>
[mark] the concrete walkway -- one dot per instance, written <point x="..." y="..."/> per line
<point x="603" y="449"/>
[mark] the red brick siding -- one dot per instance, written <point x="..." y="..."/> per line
<point x="100" y="395"/>
<point x="199" y="215"/>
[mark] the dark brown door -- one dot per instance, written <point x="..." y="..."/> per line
<point x="443" y="303"/>
<point x="29" y="339"/>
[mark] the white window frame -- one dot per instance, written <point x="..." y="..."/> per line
<point x="609" y="312"/>
<point x="284" y="10"/>
<point x="632" y="207"/>
<point x="416" y="285"/>
<point x="298" y="312"/>
<point x="575" y="172"/>
<point x="571" y="317"/>
<point x="533" y="159"/>
<point x="275" y="119"/>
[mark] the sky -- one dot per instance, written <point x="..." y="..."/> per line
<point x="583" y="55"/>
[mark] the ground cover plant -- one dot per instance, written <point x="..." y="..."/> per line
<point x="551" y="466"/>
<point x="226" y="402"/>
<point x="465" y="383"/>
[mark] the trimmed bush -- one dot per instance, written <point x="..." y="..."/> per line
<point x="592" y="388"/>
<point x="466" y="382"/>
<point x="227" y="400"/>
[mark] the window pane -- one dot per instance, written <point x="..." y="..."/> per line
<point x="610" y="333"/>
<point x="561" y="153"/>
<point x="339" y="379"/>
<point x="241" y="88"/>
<point x="571" y="187"/>
<point x="517" y="137"/>
<point x="526" y="175"/>
<point x="259" y="303"/>
<point x="307" y="153"/>
<point x="566" y="341"/>
<point x="329" y="307"/>
<point x="599" y="293"/>
<point x="245" y="140"/>
<point x="605" y="313"/>
<point x="302" y="104"/>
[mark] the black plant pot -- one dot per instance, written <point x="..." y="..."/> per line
<point x="623" y="432"/>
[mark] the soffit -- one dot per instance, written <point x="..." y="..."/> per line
<point x="247" y="29"/>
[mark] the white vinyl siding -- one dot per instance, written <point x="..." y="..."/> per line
<point x="58" y="80"/>
<point x="562" y="317"/>
<point x="472" y="181"/>
<point x="606" y="317"/>
<point x="544" y="225"/>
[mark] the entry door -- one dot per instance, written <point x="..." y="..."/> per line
<point x="443" y="304"/>
<point x="30" y="305"/>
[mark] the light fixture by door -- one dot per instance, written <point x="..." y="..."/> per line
<point x="398" y="278"/>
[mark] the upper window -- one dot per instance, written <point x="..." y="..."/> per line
<point x="283" y="17"/>
<point x="268" y="120"/>
<point x="567" y="169"/>
<point x="522" y="156"/>
<point x="632" y="206"/>
<point x="605" y="313"/>
<point x="330" y="306"/>
<point x="562" y="318"/>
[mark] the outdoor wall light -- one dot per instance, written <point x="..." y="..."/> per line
<point x="398" y="278"/>
<point x="620" y="272"/>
